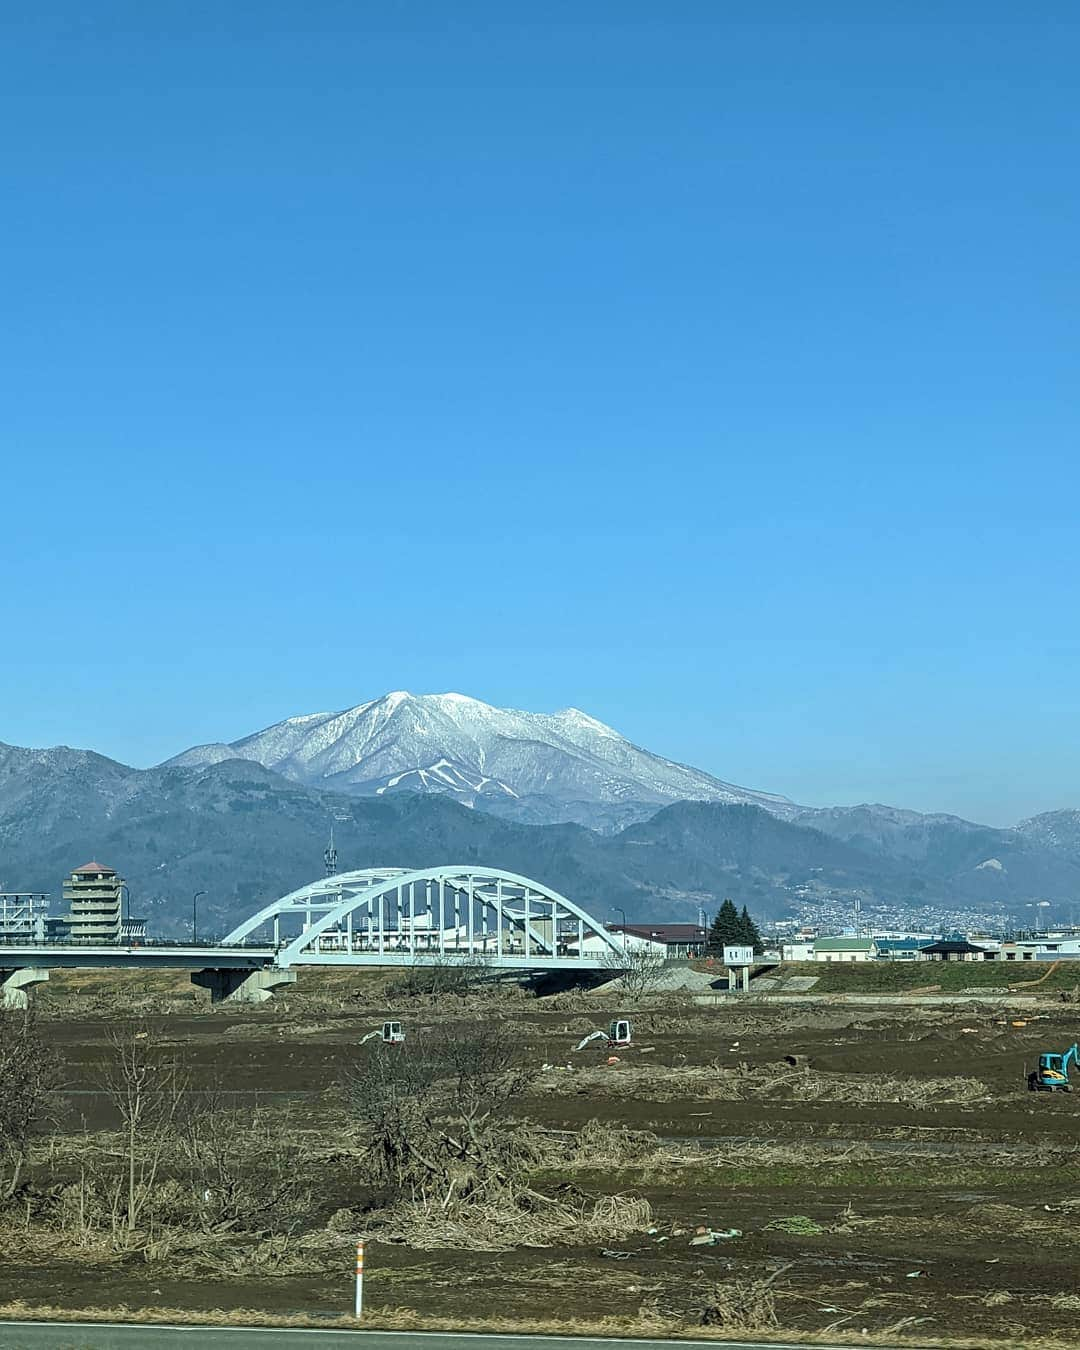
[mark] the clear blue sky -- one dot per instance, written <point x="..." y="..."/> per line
<point x="712" y="367"/>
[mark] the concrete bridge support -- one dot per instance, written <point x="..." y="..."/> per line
<point x="242" y="986"/>
<point x="738" y="979"/>
<point x="16" y="984"/>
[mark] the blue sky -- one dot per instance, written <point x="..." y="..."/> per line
<point x="714" y="373"/>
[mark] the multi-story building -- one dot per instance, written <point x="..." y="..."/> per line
<point x="93" y="896"/>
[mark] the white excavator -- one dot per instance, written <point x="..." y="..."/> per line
<point x="390" y="1033"/>
<point x="618" y="1035"/>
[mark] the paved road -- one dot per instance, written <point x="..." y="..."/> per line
<point x="88" y="1336"/>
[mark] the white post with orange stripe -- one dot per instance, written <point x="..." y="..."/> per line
<point x="359" y="1278"/>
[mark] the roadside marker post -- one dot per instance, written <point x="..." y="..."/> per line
<point x="359" y="1279"/>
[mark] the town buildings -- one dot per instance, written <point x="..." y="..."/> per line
<point x="672" y="940"/>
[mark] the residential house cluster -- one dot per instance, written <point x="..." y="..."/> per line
<point x="926" y="947"/>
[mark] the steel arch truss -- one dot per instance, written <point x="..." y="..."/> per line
<point x="394" y="916"/>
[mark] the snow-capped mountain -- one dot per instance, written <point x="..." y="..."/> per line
<point x="538" y="767"/>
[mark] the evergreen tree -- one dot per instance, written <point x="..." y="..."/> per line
<point x="748" y="932"/>
<point x="725" y="930"/>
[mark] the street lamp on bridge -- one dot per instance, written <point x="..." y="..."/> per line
<point x="195" y="917"/>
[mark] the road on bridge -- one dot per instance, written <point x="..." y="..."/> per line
<point x="115" y="1336"/>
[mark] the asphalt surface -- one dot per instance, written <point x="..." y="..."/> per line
<point x="106" y="1336"/>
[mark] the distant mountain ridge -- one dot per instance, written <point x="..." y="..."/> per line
<point x="534" y="767"/>
<point x="1057" y="830"/>
<point x="244" y="834"/>
<point x="415" y="780"/>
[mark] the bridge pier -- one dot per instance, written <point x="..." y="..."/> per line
<point x="242" y="986"/>
<point x="738" y="979"/>
<point x="16" y="983"/>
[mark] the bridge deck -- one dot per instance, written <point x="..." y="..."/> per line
<point x="58" y="956"/>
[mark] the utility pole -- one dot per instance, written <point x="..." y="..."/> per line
<point x="195" y="917"/>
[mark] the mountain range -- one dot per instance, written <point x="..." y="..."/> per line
<point x="416" y="780"/>
<point x="540" y="768"/>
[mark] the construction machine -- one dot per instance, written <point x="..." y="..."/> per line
<point x="1052" y="1075"/>
<point x="390" y="1033"/>
<point x="617" y="1035"/>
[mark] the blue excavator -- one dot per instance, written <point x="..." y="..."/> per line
<point x="1052" y="1075"/>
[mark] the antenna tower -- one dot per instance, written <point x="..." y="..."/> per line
<point x="330" y="855"/>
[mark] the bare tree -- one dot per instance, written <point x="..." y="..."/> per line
<point x="638" y="966"/>
<point x="241" y="1168"/>
<point x="29" y="1071"/>
<point x="146" y="1087"/>
<point x="439" y="973"/>
<point x="485" y="1070"/>
<point x="430" y="1112"/>
<point x="392" y="1094"/>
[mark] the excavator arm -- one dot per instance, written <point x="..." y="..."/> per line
<point x="596" y="1036"/>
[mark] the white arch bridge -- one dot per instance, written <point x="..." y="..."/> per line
<point x="382" y="916"/>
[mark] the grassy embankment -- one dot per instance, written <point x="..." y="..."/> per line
<point x="948" y="977"/>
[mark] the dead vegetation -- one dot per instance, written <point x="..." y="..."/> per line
<point x="197" y="1179"/>
<point x="453" y="1169"/>
<point x="717" y="1082"/>
<point x="436" y="1153"/>
<point x="743" y="1305"/>
<point x="515" y="1221"/>
<point x="29" y="1071"/>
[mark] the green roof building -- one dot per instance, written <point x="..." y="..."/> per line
<point x="845" y="949"/>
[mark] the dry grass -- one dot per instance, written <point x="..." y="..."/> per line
<point x="599" y="1146"/>
<point x="630" y="1327"/>
<point x="1010" y="1223"/>
<point x="714" y="1082"/>
<point x="504" y="1223"/>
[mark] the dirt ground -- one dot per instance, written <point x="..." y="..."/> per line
<point x="897" y="1180"/>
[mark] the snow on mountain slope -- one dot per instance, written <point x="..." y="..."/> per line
<point x="554" y="766"/>
<point x="1059" y="830"/>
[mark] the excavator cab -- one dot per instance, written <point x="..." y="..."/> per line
<point x="619" y="1033"/>
<point x="1052" y="1075"/>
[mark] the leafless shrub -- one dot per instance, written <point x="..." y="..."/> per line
<point x="637" y="967"/>
<point x="146" y="1086"/>
<point x="429" y="1110"/>
<point x="392" y="1097"/>
<point x="454" y="1169"/>
<point x="29" y="1070"/>
<point x="239" y="1170"/>
<point x="743" y="1305"/>
<point x="439" y="974"/>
